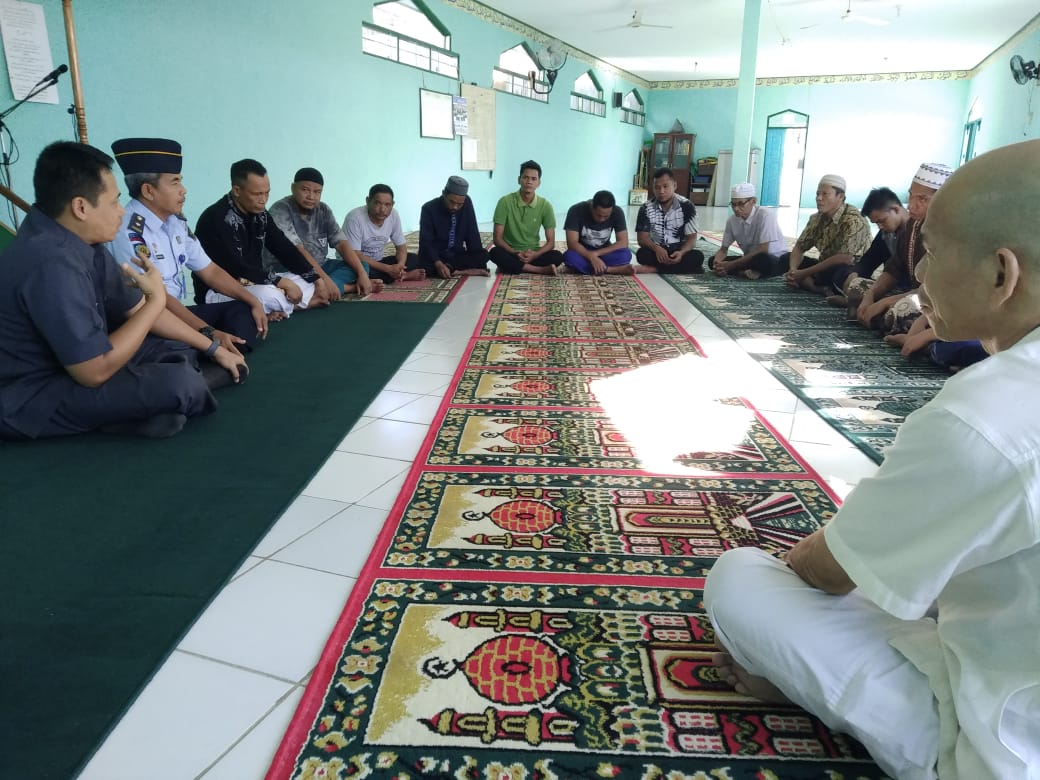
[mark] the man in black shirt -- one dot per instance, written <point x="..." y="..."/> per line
<point x="449" y="241"/>
<point x="236" y="229"/>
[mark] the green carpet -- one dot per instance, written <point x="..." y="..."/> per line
<point x="111" y="547"/>
<point x="863" y="387"/>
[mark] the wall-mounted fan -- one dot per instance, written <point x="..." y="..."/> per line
<point x="635" y="23"/>
<point x="1024" y="71"/>
<point x="550" y="58"/>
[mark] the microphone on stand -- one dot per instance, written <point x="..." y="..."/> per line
<point x="52" y="77"/>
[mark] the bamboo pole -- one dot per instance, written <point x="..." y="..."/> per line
<point x="14" y="198"/>
<point x="77" y="87"/>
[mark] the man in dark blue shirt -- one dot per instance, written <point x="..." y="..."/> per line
<point x="75" y="349"/>
<point x="449" y="240"/>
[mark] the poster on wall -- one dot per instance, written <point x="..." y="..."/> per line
<point x="26" y="49"/>
<point x="459" y="115"/>
<point x="435" y="115"/>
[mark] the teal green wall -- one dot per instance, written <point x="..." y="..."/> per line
<point x="286" y="83"/>
<point x="1010" y="111"/>
<point x="874" y="133"/>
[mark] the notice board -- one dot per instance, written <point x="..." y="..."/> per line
<point x="478" y="147"/>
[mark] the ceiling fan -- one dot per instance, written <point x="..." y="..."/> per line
<point x="854" y="16"/>
<point x="636" y="22"/>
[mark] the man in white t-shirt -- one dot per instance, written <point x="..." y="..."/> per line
<point x="370" y="228"/>
<point x="912" y="621"/>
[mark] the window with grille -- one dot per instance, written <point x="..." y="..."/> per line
<point x="513" y="74"/>
<point x="587" y="95"/>
<point x="632" y="109"/>
<point x="406" y="32"/>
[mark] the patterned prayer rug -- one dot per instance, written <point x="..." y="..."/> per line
<point x="532" y="608"/>
<point x="430" y="290"/>
<point x="861" y="386"/>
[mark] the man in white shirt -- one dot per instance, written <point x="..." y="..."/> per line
<point x="370" y="228"/>
<point x="756" y="232"/>
<point x="912" y="621"/>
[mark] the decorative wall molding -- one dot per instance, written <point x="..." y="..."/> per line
<point x="499" y="19"/>
<point x="788" y="81"/>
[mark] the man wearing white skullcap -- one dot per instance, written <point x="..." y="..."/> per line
<point x="877" y="303"/>
<point x="911" y="620"/>
<point x="756" y="232"/>
<point x="837" y="230"/>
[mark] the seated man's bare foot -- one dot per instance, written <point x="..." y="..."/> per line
<point x="472" y="272"/>
<point x="645" y="269"/>
<point x="836" y="300"/>
<point x="896" y="339"/>
<point x="746" y="683"/>
<point x="415" y="275"/>
<point x="442" y="269"/>
<point x="275" y="316"/>
<point x="750" y="274"/>
<point x="543" y="270"/>
<point x="622" y="270"/>
<point x="377" y="286"/>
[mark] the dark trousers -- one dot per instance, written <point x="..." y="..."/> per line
<point x="234" y="317"/>
<point x="411" y="262"/>
<point x="161" y="378"/>
<point x="956" y="354"/>
<point x="691" y="262"/>
<point x="832" y="278"/>
<point x="764" y="263"/>
<point x="462" y="261"/>
<point x="509" y="263"/>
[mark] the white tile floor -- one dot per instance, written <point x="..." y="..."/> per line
<point x="218" y="707"/>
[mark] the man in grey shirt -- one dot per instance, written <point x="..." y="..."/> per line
<point x="371" y="227"/>
<point x="311" y="225"/>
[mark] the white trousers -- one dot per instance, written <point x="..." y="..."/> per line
<point x="828" y="654"/>
<point x="271" y="297"/>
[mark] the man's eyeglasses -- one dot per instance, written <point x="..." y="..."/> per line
<point x="739" y="204"/>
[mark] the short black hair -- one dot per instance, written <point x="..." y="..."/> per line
<point x="241" y="170"/>
<point x="532" y="166"/>
<point x="604" y="199"/>
<point x="880" y="198"/>
<point x="660" y="173"/>
<point x="66" y="170"/>
<point x="376" y="189"/>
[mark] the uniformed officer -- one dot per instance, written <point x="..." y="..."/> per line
<point x="154" y="227"/>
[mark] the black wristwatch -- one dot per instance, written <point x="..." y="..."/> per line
<point x="207" y="330"/>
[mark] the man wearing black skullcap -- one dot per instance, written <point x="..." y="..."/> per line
<point x="311" y="225"/>
<point x="449" y="240"/>
<point x="154" y="227"/>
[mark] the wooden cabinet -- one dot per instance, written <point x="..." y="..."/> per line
<point x="675" y="151"/>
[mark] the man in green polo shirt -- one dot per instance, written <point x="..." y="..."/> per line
<point x="518" y="218"/>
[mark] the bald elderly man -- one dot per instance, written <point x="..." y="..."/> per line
<point x="912" y="621"/>
<point x="837" y="230"/>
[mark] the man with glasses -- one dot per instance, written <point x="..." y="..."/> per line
<point x="756" y="232"/>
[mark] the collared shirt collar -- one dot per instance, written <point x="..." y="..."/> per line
<point x="151" y="219"/>
<point x="520" y="201"/>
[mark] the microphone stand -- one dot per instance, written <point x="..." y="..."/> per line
<point x="5" y="159"/>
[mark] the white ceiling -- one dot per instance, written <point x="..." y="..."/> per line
<point x="796" y="37"/>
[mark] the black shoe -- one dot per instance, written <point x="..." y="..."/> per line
<point x="161" y="426"/>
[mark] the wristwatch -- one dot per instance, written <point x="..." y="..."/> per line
<point x="207" y="330"/>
